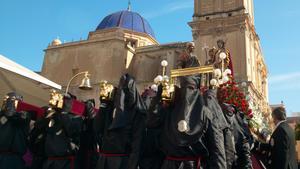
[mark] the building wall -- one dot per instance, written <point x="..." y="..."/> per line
<point x="208" y="7"/>
<point x="104" y="55"/>
<point x="103" y="59"/>
<point x="206" y="33"/>
<point x="146" y="64"/>
<point x="233" y="22"/>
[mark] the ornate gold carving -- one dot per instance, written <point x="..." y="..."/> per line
<point x="191" y="71"/>
<point x="106" y="90"/>
<point x="56" y="99"/>
<point x="167" y="91"/>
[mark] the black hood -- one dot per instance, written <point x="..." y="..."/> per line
<point x="68" y="99"/>
<point x="127" y="102"/>
<point x="10" y="103"/>
<point x="188" y="108"/>
<point x="229" y="111"/>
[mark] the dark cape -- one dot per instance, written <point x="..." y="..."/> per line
<point x="151" y="155"/>
<point x="229" y="143"/>
<point x="37" y="141"/>
<point x="215" y="138"/>
<point x="187" y="122"/>
<point x="185" y="149"/>
<point x="63" y="139"/>
<point x="243" y="141"/>
<point x="14" y="130"/>
<point x="89" y="145"/>
<point x="120" y="125"/>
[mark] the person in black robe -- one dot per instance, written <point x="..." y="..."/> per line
<point x="62" y="137"/>
<point x="216" y="146"/>
<point x="88" y="155"/>
<point x="14" y="129"/>
<point x="151" y="155"/>
<point x="229" y="144"/>
<point x="243" y="141"/>
<point x="120" y="124"/>
<point x="37" y="140"/>
<point x="186" y="122"/>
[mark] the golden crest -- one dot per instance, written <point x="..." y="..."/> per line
<point x="56" y="99"/>
<point x="13" y="98"/>
<point x="167" y="91"/>
<point x="106" y="90"/>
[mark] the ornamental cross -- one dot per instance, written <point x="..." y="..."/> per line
<point x="129" y="6"/>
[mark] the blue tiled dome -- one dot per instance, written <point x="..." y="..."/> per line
<point x="128" y="20"/>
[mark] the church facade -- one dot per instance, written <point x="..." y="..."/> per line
<point x="233" y="22"/>
<point x="124" y="42"/>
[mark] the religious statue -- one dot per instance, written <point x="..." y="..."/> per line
<point x="188" y="57"/>
<point x="227" y="63"/>
<point x="212" y="57"/>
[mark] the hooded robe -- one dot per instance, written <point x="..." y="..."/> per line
<point x="186" y="121"/>
<point x="243" y="141"/>
<point x="120" y="125"/>
<point x="151" y="155"/>
<point x="217" y="155"/>
<point x="14" y="130"/>
<point x="88" y="151"/>
<point x="63" y="138"/>
<point x="37" y="140"/>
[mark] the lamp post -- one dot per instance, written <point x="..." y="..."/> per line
<point x="85" y="83"/>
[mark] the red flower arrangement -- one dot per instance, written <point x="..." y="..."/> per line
<point x="230" y="93"/>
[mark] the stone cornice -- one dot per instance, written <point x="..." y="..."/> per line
<point x="151" y="48"/>
<point x="82" y="42"/>
<point x="239" y="9"/>
<point x="103" y="35"/>
<point x="218" y="25"/>
<point x="122" y="31"/>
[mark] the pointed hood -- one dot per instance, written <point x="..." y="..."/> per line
<point x="127" y="102"/>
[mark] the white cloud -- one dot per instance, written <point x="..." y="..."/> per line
<point x="170" y="8"/>
<point x="288" y="86"/>
<point x="285" y="82"/>
<point x="284" y="78"/>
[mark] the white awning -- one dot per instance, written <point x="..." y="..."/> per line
<point x="32" y="86"/>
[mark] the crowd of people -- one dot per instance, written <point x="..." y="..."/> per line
<point x="141" y="131"/>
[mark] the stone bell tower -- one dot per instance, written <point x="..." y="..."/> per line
<point x="233" y="22"/>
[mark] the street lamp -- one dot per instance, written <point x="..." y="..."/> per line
<point x="85" y="83"/>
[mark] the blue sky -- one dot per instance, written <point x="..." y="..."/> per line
<point x="27" y="27"/>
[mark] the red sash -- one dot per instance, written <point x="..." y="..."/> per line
<point x="107" y="154"/>
<point x="197" y="159"/>
<point x="70" y="158"/>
